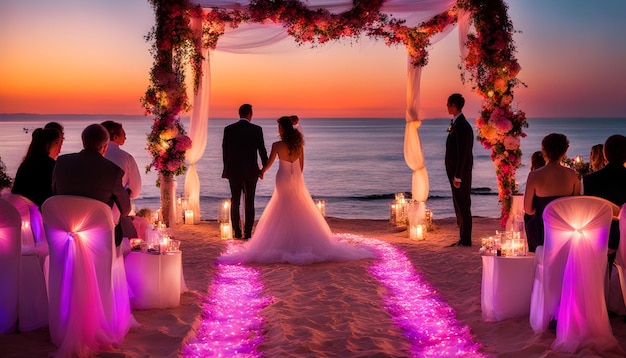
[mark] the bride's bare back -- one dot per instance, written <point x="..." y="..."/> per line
<point x="281" y="150"/>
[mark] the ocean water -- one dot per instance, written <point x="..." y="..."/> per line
<point x="356" y="165"/>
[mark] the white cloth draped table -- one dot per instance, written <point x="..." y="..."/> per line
<point x="89" y="306"/>
<point x="570" y="276"/>
<point x="10" y="256"/>
<point x="155" y="280"/>
<point x="507" y="284"/>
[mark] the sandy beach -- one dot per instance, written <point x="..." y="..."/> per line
<point x="328" y="309"/>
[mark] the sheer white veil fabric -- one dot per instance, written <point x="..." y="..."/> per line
<point x="258" y="38"/>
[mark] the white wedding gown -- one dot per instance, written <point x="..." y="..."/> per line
<point x="291" y="228"/>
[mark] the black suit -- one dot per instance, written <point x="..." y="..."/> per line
<point x="459" y="161"/>
<point x="89" y="174"/>
<point x="242" y="142"/>
<point x="608" y="183"/>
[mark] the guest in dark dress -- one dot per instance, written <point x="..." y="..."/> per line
<point x="33" y="179"/>
<point x="536" y="162"/>
<point x="547" y="183"/>
<point x="610" y="183"/>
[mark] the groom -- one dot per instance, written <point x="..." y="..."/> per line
<point x="242" y="141"/>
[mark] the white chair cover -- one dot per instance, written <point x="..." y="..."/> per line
<point x="10" y="256"/>
<point x="22" y="205"/>
<point x="32" y="297"/>
<point x="620" y="260"/>
<point x="89" y="303"/>
<point x="570" y="286"/>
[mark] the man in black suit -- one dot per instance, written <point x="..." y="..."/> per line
<point x="459" y="161"/>
<point x="242" y="141"/>
<point x="88" y="173"/>
<point x="610" y="183"/>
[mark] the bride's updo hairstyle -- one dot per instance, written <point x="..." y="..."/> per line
<point x="291" y="136"/>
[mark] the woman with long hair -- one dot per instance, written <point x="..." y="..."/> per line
<point x="33" y="179"/>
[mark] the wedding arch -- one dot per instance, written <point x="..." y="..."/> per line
<point x="186" y="31"/>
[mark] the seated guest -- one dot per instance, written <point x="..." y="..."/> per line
<point x="33" y="179"/>
<point x="58" y="127"/>
<point x="132" y="178"/>
<point x="596" y="158"/>
<point x="610" y="183"/>
<point x="123" y="159"/>
<point x="547" y="183"/>
<point x="536" y="160"/>
<point x="88" y="173"/>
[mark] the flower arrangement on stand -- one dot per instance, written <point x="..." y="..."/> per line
<point x="166" y="97"/>
<point x="492" y="68"/>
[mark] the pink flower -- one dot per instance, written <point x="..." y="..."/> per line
<point x="183" y="143"/>
<point x="173" y="165"/>
<point x="511" y="142"/>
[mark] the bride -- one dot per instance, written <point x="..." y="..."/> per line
<point x="291" y="228"/>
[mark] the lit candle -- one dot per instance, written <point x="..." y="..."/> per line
<point x="165" y="243"/>
<point x="225" y="232"/>
<point x="223" y="211"/>
<point x="416" y="232"/>
<point x="189" y="217"/>
<point x="321" y="206"/>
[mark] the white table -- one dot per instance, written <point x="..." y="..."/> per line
<point x="507" y="284"/>
<point x="155" y="281"/>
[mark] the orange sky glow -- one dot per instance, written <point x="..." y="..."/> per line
<point x="91" y="57"/>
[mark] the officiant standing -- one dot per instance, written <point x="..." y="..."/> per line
<point x="459" y="161"/>
<point x="242" y="145"/>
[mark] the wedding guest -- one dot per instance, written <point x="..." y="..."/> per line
<point x="88" y="173"/>
<point x="546" y="184"/>
<point x="596" y="158"/>
<point x="59" y="127"/>
<point x="459" y="161"/>
<point x="609" y="183"/>
<point x="131" y="179"/>
<point x="536" y="160"/>
<point x="33" y="179"/>
<point x="123" y="159"/>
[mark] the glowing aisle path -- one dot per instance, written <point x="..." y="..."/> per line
<point x="231" y="318"/>
<point x="427" y="321"/>
<point x="232" y="321"/>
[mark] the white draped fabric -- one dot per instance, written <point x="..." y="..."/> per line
<point x="10" y="255"/>
<point x="570" y="285"/>
<point x="89" y="304"/>
<point x="620" y="263"/>
<point x="32" y="295"/>
<point x="254" y="38"/>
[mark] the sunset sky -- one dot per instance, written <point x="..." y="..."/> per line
<point x="90" y="56"/>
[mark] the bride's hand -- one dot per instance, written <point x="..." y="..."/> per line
<point x="261" y="175"/>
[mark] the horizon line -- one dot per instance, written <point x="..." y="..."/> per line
<point x="272" y="118"/>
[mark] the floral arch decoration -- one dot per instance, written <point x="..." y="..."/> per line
<point x="185" y="31"/>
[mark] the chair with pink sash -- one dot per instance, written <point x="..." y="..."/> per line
<point x="89" y="302"/>
<point x="570" y="275"/>
<point x="33" y="295"/>
<point x="10" y="257"/>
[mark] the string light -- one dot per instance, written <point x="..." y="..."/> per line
<point x="231" y="315"/>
